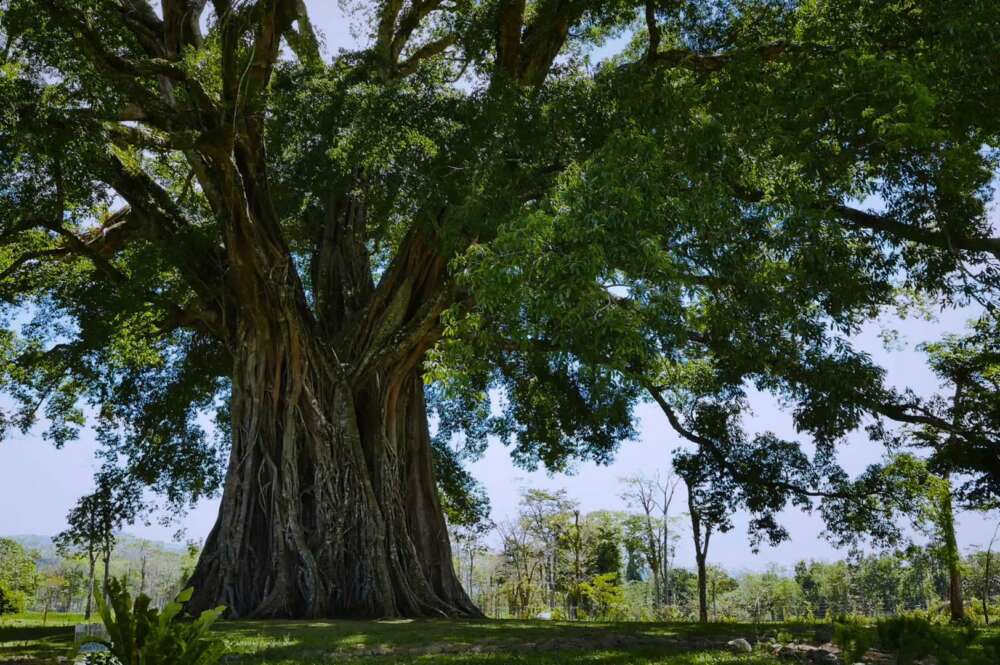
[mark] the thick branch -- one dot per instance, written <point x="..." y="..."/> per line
<point x="303" y="40"/>
<point x="890" y="226"/>
<point x="408" y="24"/>
<point x="510" y="22"/>
<point x="167" y="225"/>
<point x="653" y="29"/>
<point x="428" y="50"/>
<point x="181" y="21"/>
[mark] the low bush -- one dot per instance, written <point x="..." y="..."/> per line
<point x="914" y="636"/>
<point x="853" y="636"/>
<point x="11" y="602"/>
<point x="142" y="635"/>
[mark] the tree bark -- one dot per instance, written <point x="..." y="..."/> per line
<point x="92" y="565"/>
<point x="952" y="556"/>
<point x="701" y="540"/>
<point x="107" y="570"/>
<point x="702" y="589"/>
<point x="330" y="507"/>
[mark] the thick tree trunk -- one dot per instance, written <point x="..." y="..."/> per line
<point x="330" y="507"/>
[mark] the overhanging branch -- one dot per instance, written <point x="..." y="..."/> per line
<point x="893" y="227"/>
<point x="720" y="457"/>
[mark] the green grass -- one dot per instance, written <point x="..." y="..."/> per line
<point x="604" y="657"/>
<point x="485" y="642"/>
<point x="25" y="641"/>
<point x="24" y="638"/>
<point x="39" y="619"/>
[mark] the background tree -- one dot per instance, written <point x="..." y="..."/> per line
<point x="654" y="497"/>
<point x="93" y="522"/>
<point x="83" y="537"/>
<point x="983" y="574"/>
<point x="711" y="504"/>
<point x="522" y="567"/>
<point x="51" y="589"/>
<point x="720" y="583"/>
<point x="908" y="491"/>
<point x="470" y="543"/>
<point x="19" y="579"/>
<point x="546" y="516"/>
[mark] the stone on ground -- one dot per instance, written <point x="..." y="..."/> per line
<point x="739" y="645"/>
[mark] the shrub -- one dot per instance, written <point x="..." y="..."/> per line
<point x="141" y="635"/>
<point x="914" y="636"/>
<point x="603" y="597"/>
<point x="11" y="602"/>
<point x="853" y="637"/>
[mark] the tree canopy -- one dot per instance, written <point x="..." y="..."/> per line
<point x="203" y="213"/>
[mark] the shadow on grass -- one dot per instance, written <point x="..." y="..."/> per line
<point x="294" y="655"/>
<point x="480" y="641"/>
<point x="18" y="643"/>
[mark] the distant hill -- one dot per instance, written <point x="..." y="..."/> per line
<point x="41" y="544"/>
<point x="128" y="549"/>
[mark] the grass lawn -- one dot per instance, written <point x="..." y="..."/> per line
<point x="535" y="642"/>
<point x="25" y="641"/>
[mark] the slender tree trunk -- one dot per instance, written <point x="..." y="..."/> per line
<point x="702" y="587"/>
<point x="952" y="555"/>
<point x="715" y="607"/>
<point x="947" y="526"/>
<point x="92" y="561"/>
<point x="107" y="570"/>
<point x="702" y="533"/>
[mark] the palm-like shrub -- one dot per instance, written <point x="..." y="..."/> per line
<point x="142" y="635"/>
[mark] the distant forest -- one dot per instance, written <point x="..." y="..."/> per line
<point x="553" y="561"/>
<point x="59" y="583"/>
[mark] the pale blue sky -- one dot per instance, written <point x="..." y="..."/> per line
<point x="38" y="484"/>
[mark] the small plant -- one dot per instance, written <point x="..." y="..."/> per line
<point x="784" y="637"/>
<point x="142" y="635"/>
<point x="853" y="637"/>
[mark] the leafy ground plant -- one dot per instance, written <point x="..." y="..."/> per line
<point x="142" y="635"/>
<point x="854" y="637"/>
<point x="913" y="637"/>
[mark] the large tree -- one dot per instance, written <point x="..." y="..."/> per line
<point x="202" y="212"/>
